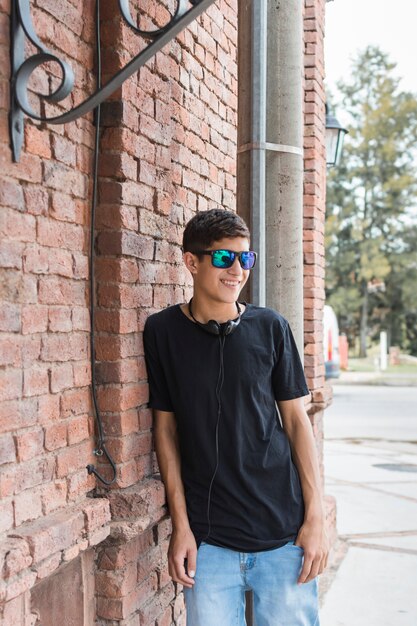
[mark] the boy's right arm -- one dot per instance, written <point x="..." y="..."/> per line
<point x="182" y="545"/>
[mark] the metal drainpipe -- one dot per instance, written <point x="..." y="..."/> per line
<point x="252" y="30"/>
<point x="258" y="124"/>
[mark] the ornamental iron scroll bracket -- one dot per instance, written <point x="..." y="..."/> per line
<point x="21" y="69"/>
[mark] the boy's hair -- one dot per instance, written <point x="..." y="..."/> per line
<point x="206" y="227"/>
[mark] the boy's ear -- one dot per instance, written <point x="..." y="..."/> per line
<point x="190" y="261"/>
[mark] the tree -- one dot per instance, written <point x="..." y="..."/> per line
<point x="368" y="234"/>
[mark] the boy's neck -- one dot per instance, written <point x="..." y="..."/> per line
<point x="204" y="310"/>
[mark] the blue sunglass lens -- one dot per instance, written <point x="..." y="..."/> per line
<point x="222" y="258"/>
<point x="247" y="260"/>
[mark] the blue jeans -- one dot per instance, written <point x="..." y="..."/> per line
<point x="222" y="577"/>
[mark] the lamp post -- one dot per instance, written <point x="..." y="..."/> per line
<point x="335" y="134"/>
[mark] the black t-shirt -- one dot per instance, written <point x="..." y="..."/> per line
<point x="256" y="501"/>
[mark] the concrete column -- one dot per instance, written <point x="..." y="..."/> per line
<point x="282" y="146"/>
<point x="284" y="170"/>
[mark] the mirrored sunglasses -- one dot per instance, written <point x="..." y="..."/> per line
<point x="224" y="259"/>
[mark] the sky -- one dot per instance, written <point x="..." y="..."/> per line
<point x="351" y="25"/>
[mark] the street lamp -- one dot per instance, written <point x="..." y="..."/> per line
<point x="335" y="134"/>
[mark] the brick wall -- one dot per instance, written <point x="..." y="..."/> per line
<point x="314" y="216"/>
<point x="168" y="143"/>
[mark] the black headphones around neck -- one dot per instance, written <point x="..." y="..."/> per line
<point x="214" y="328"/>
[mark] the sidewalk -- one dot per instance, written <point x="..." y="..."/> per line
<point x="376" y="378"/>
<point x="374" y="579"/>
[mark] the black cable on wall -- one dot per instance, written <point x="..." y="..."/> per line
<point x="100" y="447"/>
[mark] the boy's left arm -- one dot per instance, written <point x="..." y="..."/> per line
<point x="312" y="536"/>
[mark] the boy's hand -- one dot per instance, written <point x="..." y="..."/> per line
<point x="312" y="537"/>
<point x="182" y="557"/>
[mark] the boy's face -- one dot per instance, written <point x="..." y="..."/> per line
<point x="219" y="285"/>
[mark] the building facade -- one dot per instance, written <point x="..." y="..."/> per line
<point x="71" y="547"/>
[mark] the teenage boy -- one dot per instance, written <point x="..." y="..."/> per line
<point x="242" y="480"/>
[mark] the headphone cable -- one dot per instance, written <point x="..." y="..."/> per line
<point x="220" y="380"/>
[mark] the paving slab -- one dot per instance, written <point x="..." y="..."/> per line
<point x="345" y="463"/>
<point x="403" y="542"/>
<point x="374" y="412"/>
<point x="369" y="590"/>
<point x="361" y="510"/>
<point x="405" y="489"/>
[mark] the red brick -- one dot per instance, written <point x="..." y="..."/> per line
<point x="64" y="207"/>
<point x="75" y="402"/>
<point x="16" y="557"/>
<point x="80" y="265"/>
<point x="7" y="449"/>
<point x="59" y="318"/>
<point x="74" y="458"/>
<point x="29" y="444"/>
<point x="64" y="347"/>
<point x="10" y="350"/>
<point x="120" y="321"/>
<point x="126" y="371"/>
<point x="20" y="413"/>
<point x="11" y="384"/>
<point x="60" y="234"/>
<point x="61" y="377"/>
<point x="127" y="473"/>
<point x="125" y="448"/>
<point x="80" y="318"/>
<point x="34" y="318"/>
<point x="56" y="532"/>
<point x="54" y="496"/>
<point x="11" y="254"/>
<point x="81" y="373"/>
<point x="145" y="466"/>
<point x="38" y="141"/>
<point x="36" y="381"/>
<point x="48" y="408"/>
<point x="125" y="423"/>
<point x="97" y="513"/>
<point x="62" y="178"/>
<point x="165" y="619"/>
<point x="11" y="195"/>
<point x="127" y="397"/>
<point x="116" y="584"/>
<point x="124" y="270"/>
<point x="36" y="199"/>
<point x="35" y="259"/>
<point x="55" y="436"/>
<point x="78" y="429"/>
<point x="150" y="611"/>
<point x="27" y="506"/>
<point x="23" y="476"/>
<point x="60" y="262"/>
<point x="54" y="290"/>
<point x="79" y="483"/>
<point x="128" y="244"/>
<point x="16" y="225"/>
<point x="6" y="515"/>
<point x="64" y="150"/>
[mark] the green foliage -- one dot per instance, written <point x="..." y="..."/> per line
<point x="371" y="236"/>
